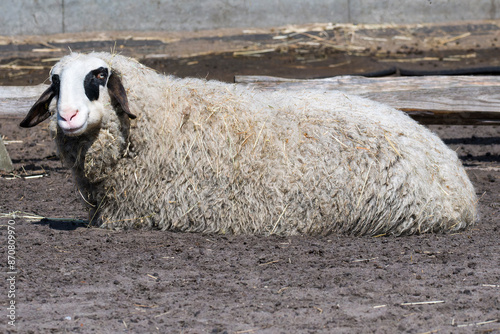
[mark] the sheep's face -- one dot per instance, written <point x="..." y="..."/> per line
<point x="83" y="85"/>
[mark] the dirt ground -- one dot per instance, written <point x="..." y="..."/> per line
<point x="71" y="278"/>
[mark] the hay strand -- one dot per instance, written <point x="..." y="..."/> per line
<point x="432" y="302"/>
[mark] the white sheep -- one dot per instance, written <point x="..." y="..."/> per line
<point x="206" y="156"/>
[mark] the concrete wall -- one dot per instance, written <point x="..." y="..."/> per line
<point x="33" y="17"/>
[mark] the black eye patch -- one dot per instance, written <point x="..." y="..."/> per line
<point x="56" y="84"/>
<point x="93" y="80"/>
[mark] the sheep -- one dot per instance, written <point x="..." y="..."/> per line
<point x="154" y="151"/>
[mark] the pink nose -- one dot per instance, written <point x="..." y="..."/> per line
<point x="68" y="116"/>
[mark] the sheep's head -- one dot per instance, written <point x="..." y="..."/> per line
<point x="80" y="83"/>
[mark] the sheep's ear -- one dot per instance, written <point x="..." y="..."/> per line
<point x="40" y="110"/>
<point x="117" y="91"/>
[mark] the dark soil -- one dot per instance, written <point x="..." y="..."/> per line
<point x="71" y="278"/>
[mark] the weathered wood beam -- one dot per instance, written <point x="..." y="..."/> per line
<point x="465" y="100"/>
<point x="15" y="101"/>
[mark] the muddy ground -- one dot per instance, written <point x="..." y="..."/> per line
<point x="71" y="278"/>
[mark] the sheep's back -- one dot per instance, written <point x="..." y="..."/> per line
<point x="214" y="157"/>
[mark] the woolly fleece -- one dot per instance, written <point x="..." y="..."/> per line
<point x="206" y="156"/>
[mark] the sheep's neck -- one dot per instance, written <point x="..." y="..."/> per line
<point x="92" y="157"/>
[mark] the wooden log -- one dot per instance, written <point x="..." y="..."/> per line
<point x="15" y="101"/>
<point x="462" y="100"/>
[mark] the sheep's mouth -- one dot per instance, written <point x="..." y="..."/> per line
<point x="74" y="131"/>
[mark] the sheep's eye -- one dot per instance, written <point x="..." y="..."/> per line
<point x="93" y="80"/>
<point x="55" y="79"/>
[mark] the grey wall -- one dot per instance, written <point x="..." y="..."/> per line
<point x="33" y="17"/>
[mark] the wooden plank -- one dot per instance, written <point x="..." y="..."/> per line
<point x="15" y="101"/>
<point x="466" y="100"/>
